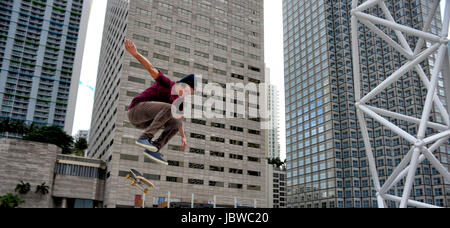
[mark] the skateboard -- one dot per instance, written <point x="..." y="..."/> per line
<point x="138" y="180"/>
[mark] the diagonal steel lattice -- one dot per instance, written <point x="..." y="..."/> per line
<point x="423" y="146"/>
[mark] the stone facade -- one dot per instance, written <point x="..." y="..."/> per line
<point x="78" y="188"/>
<point x="69" y="178"/>
<point x="28" y="162"/>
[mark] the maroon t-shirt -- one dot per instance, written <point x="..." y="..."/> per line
<point x="160" y="91"/>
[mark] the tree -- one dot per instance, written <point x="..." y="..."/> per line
<point x="4" y="125"/>
<point x="77" y="152"/>
<point x="10" y="201"/>
<point x="15" y="126"/>
<point x="19" y="127"/>
<point x="52" y="135"/>
<point x="44" y="134"/>
<point x="276" y="162"/>
<point x="42" y="189"/>
<point x="81" y="144"/>
<point x="23" y="188"/>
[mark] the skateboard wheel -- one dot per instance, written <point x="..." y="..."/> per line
<point x="128" y="176"/>
<point x="133" y="183"/>
<point x="146" y="191"/>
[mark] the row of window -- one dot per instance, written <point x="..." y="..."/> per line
<point x="358" y="204"/>
<point x="192" y="181"/>
<point x="214" y="168"/>
<point x="204" y="55"/>
<point x="207" y="7"/>
<point x="80" y="171"/>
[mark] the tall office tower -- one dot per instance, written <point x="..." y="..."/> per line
<point x="276" y="186"/>
<point x="273" y="134"/>
<point x="326" y="160"/>
<point x="82" y="134"/>
<point x="219" y="40"/>
<point x="41" y="49"/>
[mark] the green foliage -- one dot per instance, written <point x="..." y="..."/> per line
<point x="276" y="162"/>
<point x="14" y="126"/>
<point x="52" y="135"/>
<point x="10" y="201"/>
<point x="77" y="152"/>
<point x="42" y="189"/>
<point x="45" y="134"/>
<point x="23" y="188"/>
<point x="81" y="144"/>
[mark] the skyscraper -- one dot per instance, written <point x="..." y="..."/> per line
<point x="326" y="160"/>
<point x="41" y="48"/>
<point x="272" y="141"/>
<point x="219" y="40"/>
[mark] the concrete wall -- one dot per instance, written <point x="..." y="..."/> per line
<point x="78" y="188"/>
<point x="269" y="185"/>
<point x="30" y="162"/>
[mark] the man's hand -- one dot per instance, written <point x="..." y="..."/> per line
<point x="183" y="143"/>
<point x="131" y="47"/>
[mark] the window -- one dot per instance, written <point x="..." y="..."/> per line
<point x="236" y="186"/>
<point x="216" y="169"/>
<point x="174" y="179"/>
<point x="254" y="159"/>
<point x="198" y="136"/>
<point x="161" y="57"/>
<point x="217" y="154"/>
<point x="217" y="139"/>
<point x="197" y="151"/>
<point x="200" y="122"/>
<point x="236" y="142"/>
<point x="253" y="145"/>
<point x="216" y="184"/>
<point x="237" y="157"/>
<point x="234" y="128"/>
<point x="195" y="182"/>
<point x="218" y="125"/>
<point x="201" y="54"/>
<point x="235" y="171"/>
<point x="175" y="163"/>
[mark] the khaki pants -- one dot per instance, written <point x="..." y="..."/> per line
<point x="153" y="116"/>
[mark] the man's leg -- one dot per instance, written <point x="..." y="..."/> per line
<point x="151" y="116"/>
<point x="171" y="128"/>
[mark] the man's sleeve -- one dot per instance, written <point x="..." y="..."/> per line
<point x="164" y="80"/>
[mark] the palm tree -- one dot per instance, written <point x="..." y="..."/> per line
<point x="42" y="189"/>
<point x="276" y="162"/>
<point x="23" y="188"/>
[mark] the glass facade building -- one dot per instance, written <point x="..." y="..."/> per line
<point x="41" y="46"/>
<point x="326" y="161"/>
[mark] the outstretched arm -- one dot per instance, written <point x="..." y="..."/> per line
<point x="131" y="48"/>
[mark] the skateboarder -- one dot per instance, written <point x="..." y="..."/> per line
<point x="152" y="109"/>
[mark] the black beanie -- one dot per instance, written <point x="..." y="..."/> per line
<point x="189" y="80"/>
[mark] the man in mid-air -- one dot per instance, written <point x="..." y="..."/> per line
<point x="152" y="109"/>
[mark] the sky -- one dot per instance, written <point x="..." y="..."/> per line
<point x="273" y="58"/>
